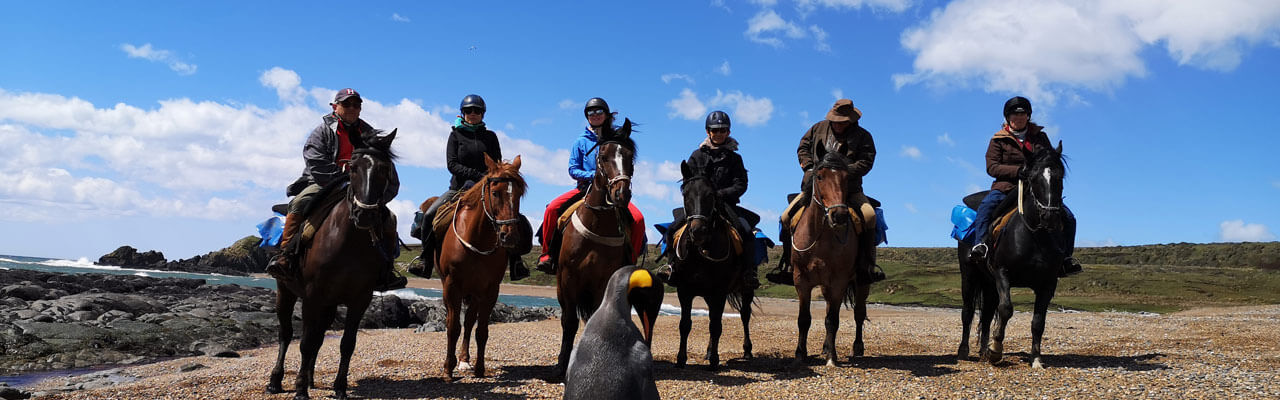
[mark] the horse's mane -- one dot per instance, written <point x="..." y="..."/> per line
<point x="834" y="159"/>
<point x="506" y="171"/>
<point x="608" y="135"/>
<point x="375" y="147"/>
<point x="1048" y="154"/>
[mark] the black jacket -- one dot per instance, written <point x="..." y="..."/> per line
<point x="723" y="166"/>
<point x="465" y="155"/>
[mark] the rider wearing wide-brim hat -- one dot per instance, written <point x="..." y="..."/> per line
<point x="582" y="168"/>
<point x="1006" y="158"/>
<point x="717" y="159"/>
<point x="840" y="128"/>
<point x="327" y="151"/>
<point x="469" y="142"/>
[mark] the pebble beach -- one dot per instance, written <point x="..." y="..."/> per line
<point x="910" y="354"/>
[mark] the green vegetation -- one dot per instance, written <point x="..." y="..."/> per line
<point x="1153" y="278"/>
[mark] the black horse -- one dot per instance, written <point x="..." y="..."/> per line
<point x="1027" y="253"/>
<point x="709" y="267"/>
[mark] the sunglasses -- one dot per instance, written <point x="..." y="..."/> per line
<point x="351" y="104"/>
<point x="596" y="111"/>
<point x="472" y="110"/>
<point x="719" y="130"/>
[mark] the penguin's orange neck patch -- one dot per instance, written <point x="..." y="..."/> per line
<point x="640" y="278"/>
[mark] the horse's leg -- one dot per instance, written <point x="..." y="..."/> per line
<point x="453" y="307"/>
<point x="803" y="294"/>
<point x="483" y="311"/>
<point x="468" y="323"/>
<point x="355" y="313"/>
<point x="314" y="321"/>
<point x="859" y="316"/>
<point x="715" y="309"/>
<point x="568" y="329"/>
<point x="1005" y="310"/>
<point x="834" y="295"/>
<point x="989" y="298"/>
<point x="1044" y="295"/>
<point x="686" y="325"/>
<point x="748" y="296"/>
<point x="284" y="314"/>
<point x="968" y="296"/>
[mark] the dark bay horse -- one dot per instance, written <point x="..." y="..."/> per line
<point x="824" y="249"/>
<point x="705" y="258"/>
<point x="473" y="257"/>
<point x="595" y="244"/>
<point x="356" y="240"/>
<point x="1028" y="253"/>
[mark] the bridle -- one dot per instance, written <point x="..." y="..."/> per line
<point x="618" y="178"/>
<point x="493" y="221"/>
<point x="707" y="219"/>
<point x="375" y="230"/>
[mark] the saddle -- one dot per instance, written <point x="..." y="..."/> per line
<point x="444" y="215"/>
<point x="864" y="216"/>
<point x="735" y="239"/>
<point x="319" y="210"/>
<point x="566" y="217"/>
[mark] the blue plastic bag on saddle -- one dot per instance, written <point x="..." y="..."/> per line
<point x="962" y="221"/>
<point x="271" y="230"/>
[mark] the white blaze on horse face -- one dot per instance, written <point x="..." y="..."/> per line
<point x="617" y="161"/>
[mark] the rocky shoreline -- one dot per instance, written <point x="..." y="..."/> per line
<point x="53" y="321"/>
<point x="242" y="258"/>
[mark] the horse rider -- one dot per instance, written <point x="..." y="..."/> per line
<point x="582" y="167"/>
<point x="1005" y="163"/>
<point x="718" y="160"/>
<point x="469" y="142"/>
<point x="841" y="127"/>
<point x="327" y="152"/>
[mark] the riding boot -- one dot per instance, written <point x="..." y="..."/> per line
<point x="515" y="264"/>
<point x="782" y="273"/>
<point x="281" y="267"/>
<point x="978" y="254"/>
<point x="750" y="275"/>
<point x="867" y="270"/>
<point x="427" y="261"/>
<point x="389" y="280"/>
<point x="1070" y="267"/>
<point x="668" y="274"/>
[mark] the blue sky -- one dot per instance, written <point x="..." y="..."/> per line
<point x="175" y="125"/>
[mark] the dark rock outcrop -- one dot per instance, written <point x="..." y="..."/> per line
<point x="242" y="258"/>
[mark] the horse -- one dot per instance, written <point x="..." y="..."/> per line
<point x="473" y="257"/>
<point x="1027" y="253"/>
<point x="595" y="244"/>
<point x="705" y="258"/>
<point x="824" y="248"/>
<point x="357" y="239"/>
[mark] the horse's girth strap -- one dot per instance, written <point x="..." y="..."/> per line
<point x="612" y="241"/>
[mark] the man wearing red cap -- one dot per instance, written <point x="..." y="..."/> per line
<point x="840" y="126"/>
<point x="327" y="151"/>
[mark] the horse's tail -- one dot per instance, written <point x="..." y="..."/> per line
<point x="737" y="298"/>
<point x="584" y="310"/>
<point x="851" y="296"/>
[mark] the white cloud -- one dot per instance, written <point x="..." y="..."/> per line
<point x="1238" y="231"/>
<point x="667" y="78"/>
<point x="687" y="106"/>
<point x="285" y="82"/>
<point x="946" y="139"/>
<point x="768" y="27"/>
<point x="1093" y="45"/>
<point x="820" y="37"/>
<point x="911" y="208"/>
<point x="567" y="104"/>
<point x="765" y="3"/>
<point x="808" y="6"/>
<point x="1108" y="242"/>
<point x="724" y="68"/>
<point x="656" y="180"/>
<point x="911" y="152"/>
<point x="747" y="109"/>
<point x="399" y="18"/>
<point x="837" y="93"/>
<point x="509" y="126"/>
<point x="149" y="53"/>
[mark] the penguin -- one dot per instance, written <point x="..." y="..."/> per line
<point x="612" y="359"/>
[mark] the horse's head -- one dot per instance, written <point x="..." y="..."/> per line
<point x="374" y="181"/>
<point x="501" y="193"/>
<point x="1046" y="167"/>
<point x="699" y="203"/>
<point x="614" y="164"/>
<point x="831" y="187"/>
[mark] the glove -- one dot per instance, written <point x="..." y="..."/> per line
<point x="861" y="167"/>
<point x="1022" y="173"/>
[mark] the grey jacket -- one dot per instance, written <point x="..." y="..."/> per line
<point x="321" y="151"/>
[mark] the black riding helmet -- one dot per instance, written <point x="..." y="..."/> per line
<point x="595" y="102"/>
<point x="1017" y="104"/>
<point x="717" y="119"/>
<point x="472" y="101"/>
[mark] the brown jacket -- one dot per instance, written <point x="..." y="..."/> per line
<point x="1004" y="155"/>
<point x="856" y="143"/>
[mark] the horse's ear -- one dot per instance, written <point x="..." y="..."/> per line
<point x="392" y="136"/>
<point x="515" y="164"/>
<point x="491" y="165"/>
<point x="685" y="171"/>
<point x="1059" y="146"/>
<point x="625" y="131"/>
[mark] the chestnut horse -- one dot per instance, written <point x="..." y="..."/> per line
<point x="473" y="257"/>
<point x="1028" y="253"/>
<point x="705" y="258"/>
<point x="356" y="241"/>
<point x="595" y="244"/>
<point x="824" y="249"/>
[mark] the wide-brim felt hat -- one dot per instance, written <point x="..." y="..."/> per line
<point x="844" y="111"/>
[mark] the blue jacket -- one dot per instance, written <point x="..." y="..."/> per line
<point x="582" y="165"/>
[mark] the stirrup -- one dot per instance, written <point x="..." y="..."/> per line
<point x="1070" y="267"/>
<point x="390" y="281"/>
<point x="781" y="276"/>
<point x="667" y="273"/>
<point x="978" y="252"/>
<point x="876" y="274"/>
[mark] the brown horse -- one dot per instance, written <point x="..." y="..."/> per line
<point x="473" y="257"/>
<point x="595" y="244"/>
<point x="825" y="246"/>
<point x="356" y="240"/>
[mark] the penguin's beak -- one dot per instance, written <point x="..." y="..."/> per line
<point x="646" y="329"/>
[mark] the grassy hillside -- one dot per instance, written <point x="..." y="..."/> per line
<point x="1154" y="278"/>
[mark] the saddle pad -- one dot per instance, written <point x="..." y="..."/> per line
<point x="1000" y="223"/>
<point x="568" y="212"/>
<point x="444" y="215"/>
<point x="734" y="237"/>
<point x="319" y="212"/>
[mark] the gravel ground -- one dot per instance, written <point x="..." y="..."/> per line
<point x="1204" y="354"/>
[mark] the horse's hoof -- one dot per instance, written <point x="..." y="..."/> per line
<point x="747" y="355"/>
<point x="831" y="362"/>
<point x="464" y="366"/>
<point x="1036" y="363"/>
<point x="301" y="396"/>
<point x="962" y="353"/>
<point x="994" y="358"/>
<point x="858" y="350"/>
<point x="448" y="377"/>
<point x="479" y="373"/>
<point x="274" y="388"/>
